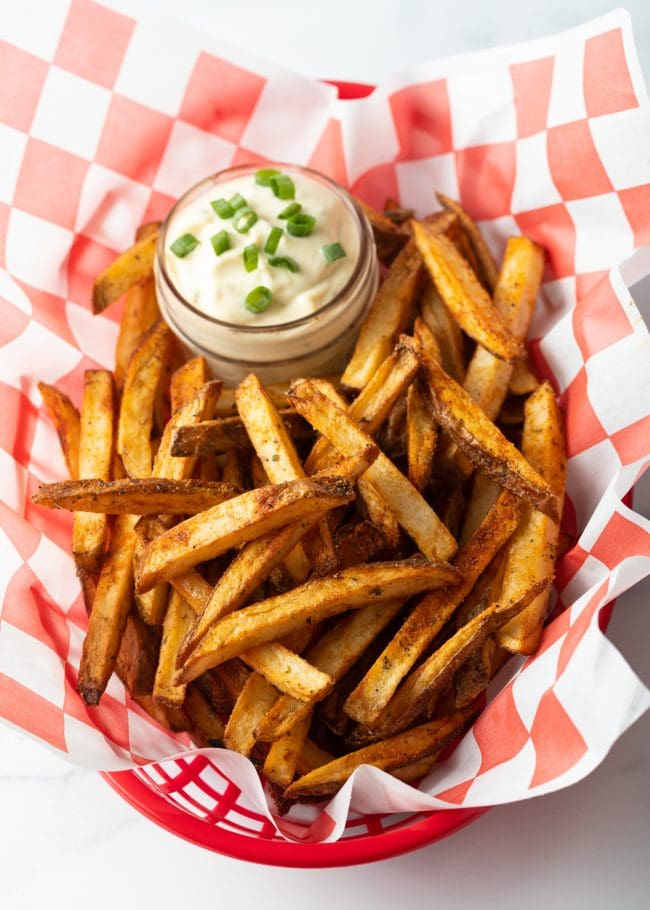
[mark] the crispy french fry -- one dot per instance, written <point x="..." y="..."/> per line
<point x="415" y="771"/>
<point x="426" y="339"/>
<point x="212" y="687"/>
<point x="277" y="392"/>
<point x="311" y="757"/>
<point x="137" y="657"/>
<point x="186" y="381"/>
<point x="233" y="470"/>
<point x="314" y="601"/>
<point x="524" y="380"/>
<point x="288" y="672"/>
<point x="338" y="649"/>
<point x="464" y="296"/>
<point x="397" y="214"/>
<point x="488" y="269"/>
<point x="390" y="238"/>
<point x="421" y="436"/>
<point x="254" y="700"/>
<point x="131" y="267"/>
<point x="95" y="459"/>
<point x="482" y="497"/>
<point x="283" y="756"/>
<point x="227" y="433"/>
<point x="65" y="418"/>
<point x="135" y="496"/>
<point x="177" y="621"/>
<point x="386" y="318"/>
<point x="392" y="753"/>
<point x="407" y="505"/>
<point x="478" y="671"/>
<point x="207" y="728"/>
<point x="380" y="515"/>
<point x="533" y="549"/>
<point x="446" y="332"/>
<point x="140" y="314"/>
<point x="234" y="522"/>
<point x="358" y="542"/>
<point x="110" y="609"/>
<point x="483" y="444"/>
<point x="427" y="618"/>
<point x="392" y="436"/>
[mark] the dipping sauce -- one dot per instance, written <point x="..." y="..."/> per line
<point x="266" y="248"/>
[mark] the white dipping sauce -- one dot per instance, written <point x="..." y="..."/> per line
<point x="217" y="285"/>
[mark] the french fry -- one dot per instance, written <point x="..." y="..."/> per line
<point x="137" y="657"/>
<point x="483" y="495"/>
<point x="483" y="444"/>
<point x="233" y="470"/>
<point x="533" y="549"/>
<point x="234" y="522"/>
<point x="65" y="418"/>
<point x="478" y="671"/>
<point x="380" y="515"/>
<point x="338" y="649"/>
<point x="387" y="317"/>
<point x="177" y="621"/>
<point x="392" y="436"/>
<point x="426" y="339"/>
<point x="277" y="392"/>
<point x="227" y="433"/>
<point x="392" y="753"/>
<point x="407" y="505"/>
<point x="389" y="237"/>
<point x="311" y="757"/>
<point x="397" y="214"/>
<point x="253" y="702"/>
<point x="207" y="728"/>
<point x="315" y="601"/>
<point x="288" y="672"/>
<point x="283" y="756"/>
<point x="186" y="382"/>
<point x="421" y="436"/>
<point x="233" y="674"/>
<point x="135" y="496"/>
<point x="488" y="269"/>
<point x="427" y="618"/>
<point x="130" y="268"/>
<point x="464" y="296"/>
<point x="109" y="613"/>
<point x="95" y="459"/>
<point x="415" y="771"/>
<point x="524" y="380"/>
<point x="357" y="543"/>
<point x="446" y="332"/>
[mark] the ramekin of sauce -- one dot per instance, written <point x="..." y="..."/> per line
<point x="266" y="269"/>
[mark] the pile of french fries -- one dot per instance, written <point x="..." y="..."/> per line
<point x="328" y="572"/>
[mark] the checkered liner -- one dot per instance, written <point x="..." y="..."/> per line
<point x="103" y="122"/>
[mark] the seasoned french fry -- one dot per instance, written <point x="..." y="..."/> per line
<point x="233" y="470"/>
<point x="533" y="549"/>
<point x="137" y="657"/>
<point x="95" y="459"/>
<point x="288" y="672"/>
<point x="253" y="702"/>
<point x="358" y="542"/>
<point x="446" y="332"/>
<point x="483" y="444"/>
<point x="207" y="728"/>
<point x="427" y="618"/>
<point x="186" y="382"/>
<point x="177" y="621"/>
<point x="131" y="267"/>
<point x="65" y="418"/>
<point x="464" y="296"/>
<point x="524" y="380"/>
<point x="389" y="237"/>
<point x="482" y="497"/>
<point x="213" y="688"/>
<point x="407" y="505"/>
<point x="314" y="601"/>
<point x="421" y="436"/>
<point x="488" y="269"/>
<point x="234" y="522"/>
<point x="397" y="214"/>
<point x="140" y="313"/>
<point x="135" y="496"/>
<point x="283" y="756"/>
<point x="387" y="317"/>
<point x="380" y="515"/>
<point x="311" y="757"/>
<point x="478" y="671"/>
<point x="426" y="339"/>
<point x="110" y="609"/>
<point x="227" y="433"/>
<point x="392" y="753"/>
<point x="415" y="771"/>
<point x="277" y="392"/>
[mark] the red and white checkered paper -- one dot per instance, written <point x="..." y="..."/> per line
<point x="104" y="121"/>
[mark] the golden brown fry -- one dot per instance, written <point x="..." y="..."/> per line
<point x="198" y="409"/>
<point x="288" y="672"/>
<point x="397" y="214"/>
<point x="357" y="543"/>
<point x="482" y="497"/>
<point x="143" y="377"/>
<point x="277" y="392"/>
<point x="446" y="332"/>
<point x="380" y="515"/>
<point x="388" y="315"/>
<point x="234" y="522"/>
<point x="283" y="756"/>
<point x="407" y="505"/>
<point x="177" y="621"/>
<point x="110" y="609"/>
<point x="426" y="339"/>
<point x="137" y="657"/>
<point x="255" y="699"/>
<point x="421" y="436"/>
<point x="227" y="433"/>
<point x="207" y="728"/>
<point x="186" y="382"/>
<point x="135" y="496"/>
<point x="317" y="600"/>
<point x="533" y="549"/>
<point x="311" y="757"/>
<point x="464" y="296"/>
<point x="65" y="418"/>
<point x="428" y="617"/>
<point x="389" y="237"/>
<point x="488" y="269"/>
<point x="415" y="771"/>
<point x="95" y="459"/>
<point x="483" y="444"/>
<point x="131" y="267"/>
<point x="524" y="380"/>
<point x="392" y="753"/>
<point x="140" y="314"/>
<point x="476" y="674"/>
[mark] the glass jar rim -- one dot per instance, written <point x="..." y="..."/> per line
<point x="240" y="170"/>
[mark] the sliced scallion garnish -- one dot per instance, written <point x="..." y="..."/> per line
<point x="244" y="220"/>
<point x="223" y="208"/>
<point x="184" y="245"/>
<point x="220" y="242"/>
<point x="284" y="262"/>
<point x="273" y="240"/>
<point x="301" y="225"/>
<point x="258" y="300"/>
<point x="264" y="175"/>
<point x="332" y="252"/>
<point x="251" y="257"/>
<point x="282" y="186"/>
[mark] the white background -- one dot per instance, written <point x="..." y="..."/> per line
<point x="66" y="840"/>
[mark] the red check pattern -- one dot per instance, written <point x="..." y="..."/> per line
<point x="545" y="139"/>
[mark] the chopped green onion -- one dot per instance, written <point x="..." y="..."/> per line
<point x="251" y="257"/>
<point x="292" y="209"/>
<point x="220" y="242"/>
<point x="283" y="262"/>
<point x="258" y="300"/>
<point x="244" y="220"/>
<point x="332" y="251"/>
<point x="237" y="202"/>
<point x="223" y="208"/>
<point x="301" y="225"/>
<point x="184" y="245"/>
<point x="264" y="175"/>
<point x="282" y="186"/>
<point x="272" y="240"/>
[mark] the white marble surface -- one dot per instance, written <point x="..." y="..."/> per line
<point x="67" y="840"/>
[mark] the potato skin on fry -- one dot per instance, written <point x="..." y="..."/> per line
<point x="131" y="267"/>
<point x="135" y="496"/>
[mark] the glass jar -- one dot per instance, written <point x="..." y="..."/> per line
<point x="317" y="344"/>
